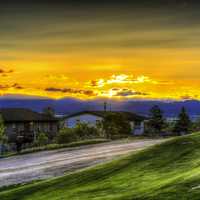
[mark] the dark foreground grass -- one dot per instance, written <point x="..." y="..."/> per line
<point x="167" y="171"/>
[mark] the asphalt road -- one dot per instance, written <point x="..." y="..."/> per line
<point x="42" y="165"/>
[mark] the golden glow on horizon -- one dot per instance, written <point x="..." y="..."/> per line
<point x="119" y="86"/>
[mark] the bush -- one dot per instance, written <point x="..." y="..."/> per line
<point x="41" y="139"/>
<point x="66" y="135"/>
<point x="83" y="131"/>
<point x="116" y="125"/>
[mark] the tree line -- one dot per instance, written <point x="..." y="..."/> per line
<point x="158" y="125"/>
<point x="113" y="126"/>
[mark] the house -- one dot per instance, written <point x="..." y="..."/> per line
<point x="27" y="123"/>
<point x="93" y="117"/>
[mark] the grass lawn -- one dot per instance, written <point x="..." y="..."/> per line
<point x="167" y="171"/>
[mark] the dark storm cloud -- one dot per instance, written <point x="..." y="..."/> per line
<point x="91" y="22"/>
<point x="79" y="8"/>
<point x="93" y="26"/>
<point x="104" y="2"/>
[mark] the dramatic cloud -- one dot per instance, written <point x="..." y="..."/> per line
<point x="17" y="86"/>
<point x="13" y="86"/>
<point x="123" y="92"/>
<point x="127" y="92"/>
<point x="122" y="79"/>
<point x="189" y="97"/>
<point x="97" y="49"/>
<point x="51" y="89"/>
<point x="57" y="77"/>
<point x="5" y="72"/>
<point x="70" y="91"/>
<point x="3" y="87"/>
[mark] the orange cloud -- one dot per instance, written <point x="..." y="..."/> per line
<point x="122" y="93"/>
<point x="70" y="91"/>
<point x="5" y="72"/>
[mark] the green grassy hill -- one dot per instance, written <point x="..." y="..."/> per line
<point x="167" y="171"/>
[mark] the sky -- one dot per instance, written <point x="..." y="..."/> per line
<point x="87" y="49"/>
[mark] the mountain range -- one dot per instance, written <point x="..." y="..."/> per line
<point x="67" y="106"/>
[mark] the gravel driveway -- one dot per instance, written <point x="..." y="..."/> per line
<point x="42" y="165"/>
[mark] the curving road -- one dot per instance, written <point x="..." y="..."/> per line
<point x="42" y="165"/>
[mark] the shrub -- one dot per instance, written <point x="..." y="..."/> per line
<point x="66" y="135"/>
<point x="41" y="139"/>
<point x="84" y="131"/>
<point x="116" y="125"/>
<point x="81" y="132"/>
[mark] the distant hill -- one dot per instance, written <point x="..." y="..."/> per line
<point x="70" y="105"/>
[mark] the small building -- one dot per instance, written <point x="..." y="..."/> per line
<point x="27" y="123"/>
<point x="93" y="117"/>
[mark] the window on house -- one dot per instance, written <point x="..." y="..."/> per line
<point x="51" y="127"/>
<point x="98" y="121"/>
<point x="39" y="127"/>
<point x="137" y="125"/>
<point x="14" y="126"/>
<point x="22" y="127"/>
<point x="47" y="127"/>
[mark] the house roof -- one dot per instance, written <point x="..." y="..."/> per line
<point x="129" y="115"/>
<point x="24" y="115"/>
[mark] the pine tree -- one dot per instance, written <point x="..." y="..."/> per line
<point x="156" y="123"/>
<point x="183" y="124"/>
